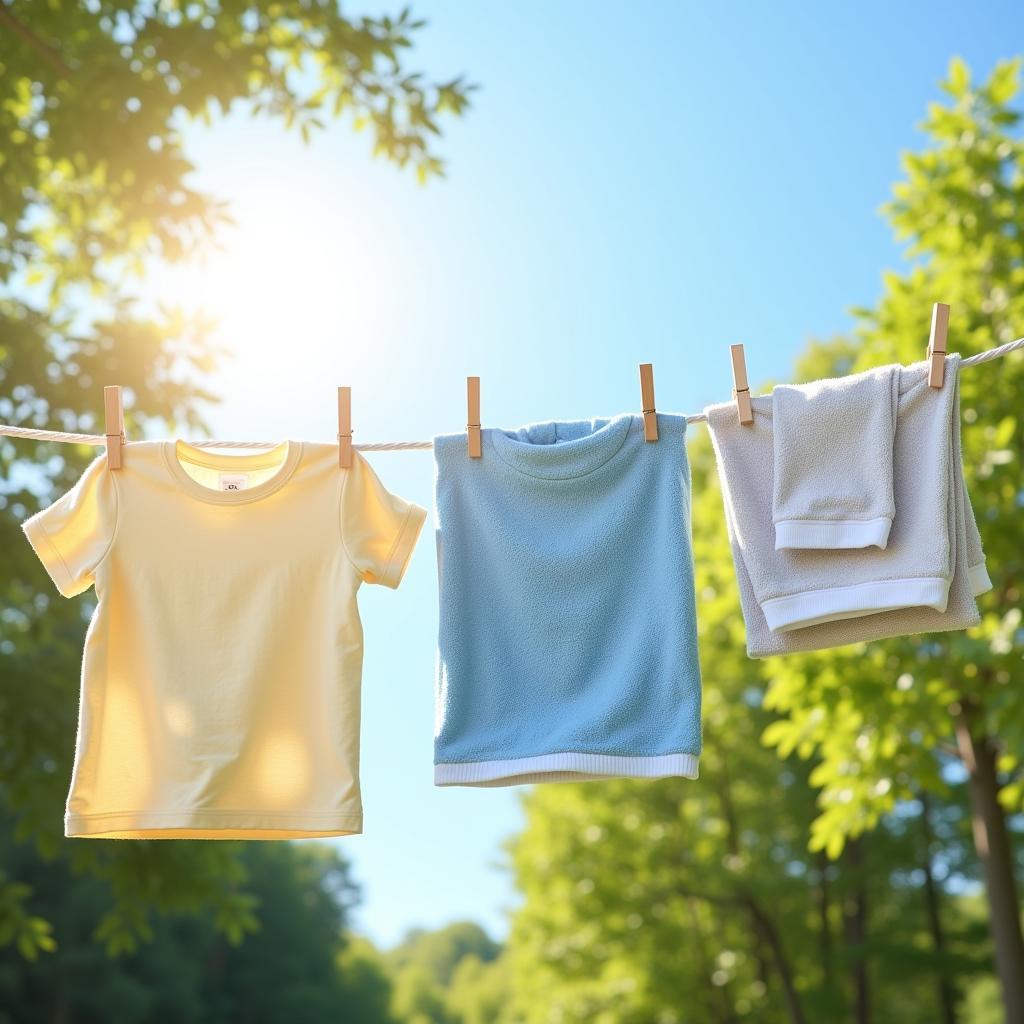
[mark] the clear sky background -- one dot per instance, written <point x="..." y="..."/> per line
<point x="635" y="182"/>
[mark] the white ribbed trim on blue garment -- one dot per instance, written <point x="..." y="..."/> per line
<point x="566" y="766"/>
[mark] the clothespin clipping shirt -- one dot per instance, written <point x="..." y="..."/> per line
<point x="937" y="344"/>
<point x="647" y="402"/>
<point x="473" y="416"/>
<point x="345" y="428"/>
<point x="740" y="386"/>
<point x="113" y="415"/>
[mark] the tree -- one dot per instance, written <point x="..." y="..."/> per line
<point x="368" y="981"/>
<point x="444" y="976"/>
<point x="921" y="712"/>
<point x="300" y="966"/>
<point x="849" y="797"/>
<point x="480" y="990"/>
<point x="441" y="951"/>
<point x="683" y="901"/>
<point x="94" y="190"/>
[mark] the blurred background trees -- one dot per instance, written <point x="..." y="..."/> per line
<point x="298" y="966"/>
<point x="849" y="800"/>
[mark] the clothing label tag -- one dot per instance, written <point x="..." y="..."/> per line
<point x="233" y="481"/>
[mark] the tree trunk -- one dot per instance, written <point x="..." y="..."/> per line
<point x="61" y="1004"/>
<point x="48" y="53"/>
<point x="765" y="928"/>
<point x="855" y="914"/>
<point x="947" y="996"/>
<point x="992" y="842"/>
<point x="825" y="925"/>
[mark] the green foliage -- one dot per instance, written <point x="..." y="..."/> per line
<point x="440" y="952"/>
<point x="31" y="935"/>
<point x="448" y="976"/>
<point x="95" y="187"/>
<point x="480" y="990"/>
<point x="826" y="847"/>
<point x="686" y="902"/>
<point x="982" y="1004"/>
<point x="95" y="95"/>
<point x="366" y="974"/>
<point x="299" y="967"/>
<point x="879" y="719"/>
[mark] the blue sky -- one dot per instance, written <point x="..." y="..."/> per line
<point x="641" y="182"/>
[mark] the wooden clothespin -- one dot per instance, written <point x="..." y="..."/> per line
<point x="473" y="416"/>
<point x="937" y="344"/>
<point x="113" y="415"/>
<point x="740" y="387"/>
<point x="345" y="428"/>
<point x="647" y="402"/>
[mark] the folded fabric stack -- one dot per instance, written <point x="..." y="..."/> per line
<point x="848" y="515"/>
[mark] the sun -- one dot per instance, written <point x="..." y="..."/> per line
<point x="276" y="279"/>
<point x="298" y="275"/>
<point x="317" y="281"/>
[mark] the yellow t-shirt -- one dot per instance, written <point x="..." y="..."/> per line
<point x="221" y="673"/>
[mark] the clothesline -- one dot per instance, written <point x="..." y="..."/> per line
<point x="387" y="446"/>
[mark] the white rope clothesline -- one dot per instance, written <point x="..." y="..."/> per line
<point x="385" y="446"/>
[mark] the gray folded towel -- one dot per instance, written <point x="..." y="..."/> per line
<point x="833" y="461"/>
<point x="925" y="579"/>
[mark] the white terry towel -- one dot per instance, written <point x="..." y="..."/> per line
<point x="925" y="580"/>
<point x="833" y="484"/>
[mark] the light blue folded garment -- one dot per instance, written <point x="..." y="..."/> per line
<point x="567" y="640"/>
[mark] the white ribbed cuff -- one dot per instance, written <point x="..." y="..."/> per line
<point x="567" y="766"/>
<point x="978" y="578"/>
<point x="834" y="533"/>
<point x="797" y="611"/>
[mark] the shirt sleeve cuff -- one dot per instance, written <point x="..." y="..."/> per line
<point x="50" y="557"/>
<point x="978" y="578"/>
<point x="401" y="553"/>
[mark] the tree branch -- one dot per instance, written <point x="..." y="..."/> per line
<point x="48" y="53"/>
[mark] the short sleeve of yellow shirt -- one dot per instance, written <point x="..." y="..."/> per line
<point x="221" y="672"/>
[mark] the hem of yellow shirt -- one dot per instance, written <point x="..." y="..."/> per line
<point x="211" y="824"/>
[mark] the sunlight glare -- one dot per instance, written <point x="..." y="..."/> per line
<point x="298" y="275"/>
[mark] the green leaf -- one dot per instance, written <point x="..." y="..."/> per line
<point x="959" y="78"/>
<point x="1004" y="82"/>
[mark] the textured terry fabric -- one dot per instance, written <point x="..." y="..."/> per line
<point x="833" y="484"/>
<point x="220" y="681"/>
<point x="567" y="640"/>
<point x="933" y="530"/>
